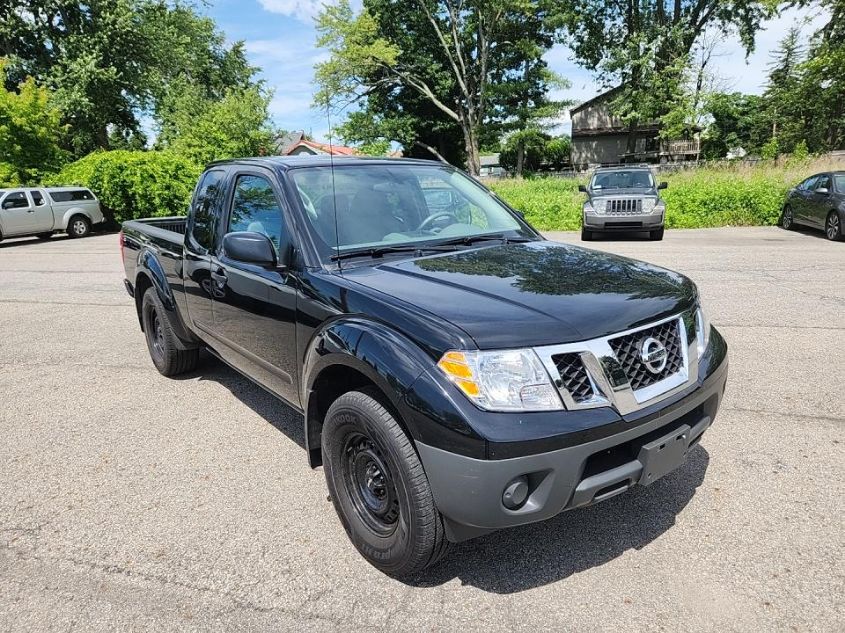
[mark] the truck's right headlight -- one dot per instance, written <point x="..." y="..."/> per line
<point x="502" y="380"/>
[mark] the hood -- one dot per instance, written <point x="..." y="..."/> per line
<point x="536" y="293"/>
<point x="630" y="192"/>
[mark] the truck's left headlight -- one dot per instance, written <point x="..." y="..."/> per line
<point x="506" y="380"/>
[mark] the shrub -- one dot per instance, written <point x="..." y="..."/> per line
<point x="134" y="184"/>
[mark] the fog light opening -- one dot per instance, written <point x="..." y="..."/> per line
<point x="515" y="493"/>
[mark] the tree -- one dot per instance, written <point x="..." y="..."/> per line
<point x="783" y="85"/>
<point x="540" y="150"/>
<point x="736" y="120"/>
<point x="460" y="59"/>
<point x="805" y="94"/>
<point x="204" y="130"/>
<point x="643" y="46"/>
<point x="29" y="133"/>
<point x="110" y="62"/>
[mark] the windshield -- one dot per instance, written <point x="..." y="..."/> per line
<point x="622" y="179"/>
<point x="391" y="205"/>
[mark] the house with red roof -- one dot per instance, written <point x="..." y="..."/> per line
<point x="295" y="143"/>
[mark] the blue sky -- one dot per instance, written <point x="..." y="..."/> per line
<point x="280" y="36"/>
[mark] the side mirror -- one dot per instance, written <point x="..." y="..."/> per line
<point x="823" y="191"/>
<point x="663" y="185"/>
<point x="250" y="248"/>
<point x="582" y="188"/>
<point x="15" y="204"/>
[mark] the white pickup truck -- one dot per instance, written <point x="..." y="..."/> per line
<point x="43" y="211"/>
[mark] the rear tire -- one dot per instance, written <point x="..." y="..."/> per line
<point x="787" y="218"/>
<point x="833" y="227"/>
<point x="168" y="356"/>
<point x="79" y="226"/>
<point x="379" y="488"/>
<point x="656" y="235"/>
<point x="586" y="235"/>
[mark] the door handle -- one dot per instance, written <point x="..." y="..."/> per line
<point x="30" y="210"/>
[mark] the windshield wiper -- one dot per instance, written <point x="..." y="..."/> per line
<point x="381" y="251"/>
<point x="469" y="240"/>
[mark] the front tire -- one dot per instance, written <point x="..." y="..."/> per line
<point x="656" y="235"/>
<point x="168" y="356"/>
<point x="79" y="226"/>
<point x="833" y="227"/>
<point x="586" y="235"/>
<point x="379" y="488"/>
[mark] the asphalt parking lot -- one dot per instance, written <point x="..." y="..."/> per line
<point x="131" y="501"/>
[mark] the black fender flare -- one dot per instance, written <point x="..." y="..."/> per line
<point x="380" y="353"/>
<point x="148" y="266"/>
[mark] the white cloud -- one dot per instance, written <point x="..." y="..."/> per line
<point x="303" y="10"/>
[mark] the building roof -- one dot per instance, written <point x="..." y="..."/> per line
<point x="326" y="148"/>
<point x="489" y="160"/>
<point x="286" y="144"/>
<point x="600" y="97"/>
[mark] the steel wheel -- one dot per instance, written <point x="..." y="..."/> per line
<point x="370" y="485"/>
<point x="786" y="219"/>
<point x="833" y="227"/>
<point x="157" y="333"/>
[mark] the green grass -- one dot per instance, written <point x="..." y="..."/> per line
<point x="726" y="195"/>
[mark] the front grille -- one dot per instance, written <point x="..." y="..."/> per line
<point x="574" y="376"/>
<point x="625" y="206"/>
<point x="627" y="349"/>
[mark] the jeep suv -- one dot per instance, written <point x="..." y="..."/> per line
<point x="623" y="199"/>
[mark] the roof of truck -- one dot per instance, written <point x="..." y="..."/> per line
<point x="65" y="188"/>
<point x="304" y="160"/>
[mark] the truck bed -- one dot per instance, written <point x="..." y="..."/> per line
<point x="160" y="227"/>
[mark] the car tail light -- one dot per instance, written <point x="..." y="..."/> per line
<point x="120" y="240"/>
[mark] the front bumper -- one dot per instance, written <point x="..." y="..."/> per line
<point x="469" y="492"/>
<point x="606" y="222"/>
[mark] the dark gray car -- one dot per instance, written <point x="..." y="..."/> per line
<point x="623" y="199"/>
<point x="817" y="202"/>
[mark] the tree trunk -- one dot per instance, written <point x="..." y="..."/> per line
<point x="471" y="142"/>
<point x="103" y="138"/>
<point x="520" y="156"/>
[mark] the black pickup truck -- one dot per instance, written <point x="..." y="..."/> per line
<point x="457" y="373"/>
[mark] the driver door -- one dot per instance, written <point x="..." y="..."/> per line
<point x="818" y="201"/>
<point x="254" y="308"/>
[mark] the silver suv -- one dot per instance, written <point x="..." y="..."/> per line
<point x="623" y="199"/>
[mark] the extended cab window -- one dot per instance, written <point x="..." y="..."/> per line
<point x="201" y="226"/>
<point x="256" y="209"/>
<point x="37" y="198"/>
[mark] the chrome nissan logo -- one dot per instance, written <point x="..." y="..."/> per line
<point x="653" y="354"/>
